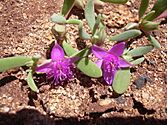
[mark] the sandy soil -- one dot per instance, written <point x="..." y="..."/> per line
<point x="26" y="30"/>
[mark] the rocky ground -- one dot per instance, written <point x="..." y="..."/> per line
<point x="26" y="30"/>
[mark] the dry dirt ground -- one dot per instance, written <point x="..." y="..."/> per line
<point x="26" y="30"/>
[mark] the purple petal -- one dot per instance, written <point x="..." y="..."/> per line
<point x="108" y="74"/>
<point x="163" y="15"/>
<point x="117" y="49"/>
<point x="98" y="52"/>
<point x="99" y="63"/>
<point x="45" y="68"/>
<point x="57" y="52"/>
<point x="122" y="63"/>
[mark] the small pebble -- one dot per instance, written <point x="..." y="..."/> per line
<point x="145" y="95"/>
<point x="73" y="97"/>
<point x="141" y="81"/>
<point x="120" y="99"/>
<point x="6" y="109"/>
<point x="104" y="102"/>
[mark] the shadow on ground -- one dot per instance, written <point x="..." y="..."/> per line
<point x="34" y="117"/>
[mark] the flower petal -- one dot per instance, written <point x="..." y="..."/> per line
<point x="98" y="52"/>
<point x="57" y="52"/>
<point x="117" y="49"/>
<point x="108" y="73"/>
<point x="122" y="63"/>
<point x="99" y="63"/>
<point x="163" y="15"/>
<point x="45" y="68"/>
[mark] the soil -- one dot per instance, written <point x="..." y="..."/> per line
<point x="26" y="30"/>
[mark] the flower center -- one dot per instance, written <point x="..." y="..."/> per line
<point x="111" y="60"/>
<point x="62" y="70"/>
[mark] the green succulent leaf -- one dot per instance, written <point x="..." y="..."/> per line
<point x="140" y="51"/>
<point x="126" y="50"/>
<point x="137" y="61"/>
<point x="143" y="7"/>
<point x="97" y="23"/>
<point x="79" y="4"/>
<point x="126" y="35"/>
<point x="154" y="42"/>
<point x="102" y="33"/>
<point x="74" y="21"/>
<point x="89" y="68"/>
<point x="149" y="25"/>
<point x="159" y="7"/>
<point x="31" y="82"/>
<point x="131" y="26"/>
<point x="115" y="1"/>
<point x="85" y="65"/>
<point x="36" y="57"/>
<point x="57" y="18"/>
<point x="59" y="28"/>
<point x="95" y="39"/>
<point x="151" y="13"/>
<point x="13" y="62"/>
<point x="90" y="14"/>
<point x="69" y="50"/>
<point x="121" y="81"/>
<point x="67" y="6"/>
<point x="82" y="53"/>
<point x="127" y="58"/>
<point x="82" y="33"/>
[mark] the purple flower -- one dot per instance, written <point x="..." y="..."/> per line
<point x="162" y="15"/>
<point x="59" y="67"/>
<point x="110" y="61"/>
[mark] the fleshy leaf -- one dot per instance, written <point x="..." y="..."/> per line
<point x="85" y="65"/>
<point x="126" y="50"/>
<point x="57" y="18"/>
<point x="89" y="68"/>
<point x="131" y="26"/>
<point x="97" y="22"/>
<point x="59" y="28"/>
<point x="31" y="82"/>
<point x="82" y="33"/>
<point x="115" y="1"/>
<point x="154" y="42"/>
<point x="137" y="61"/>
<point x="90" y="14"/>
<point x="143" y="7"/>
<point x="126" y="35"/>
<point x="160" y="6"/>
<point x="79" y="4"/>
<point x="13" y="62"/>
<point x="101" y="35"/>
<point x="140" y="51"/>
<point x="127" y="58"/>
<point x="95" y="39"/>
<point x="145" y="18"/>
<point x="69" y="50"/>
<point x="149" y="25"/>
<point x="67" y="6"/>
<point x="121" y="81"/>
<point x="82" y="53"/>
<point x="73" y="21"/>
